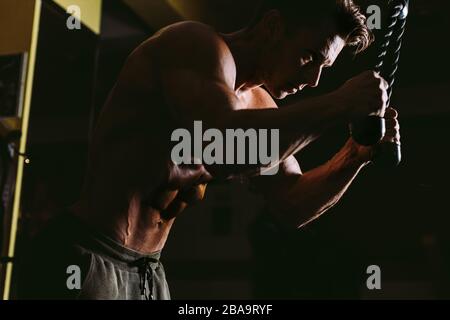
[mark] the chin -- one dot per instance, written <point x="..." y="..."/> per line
<point x="277" y="94"/>
<point x="281" y="95"/>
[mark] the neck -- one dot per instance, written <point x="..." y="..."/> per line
<point x="246" y="50"/>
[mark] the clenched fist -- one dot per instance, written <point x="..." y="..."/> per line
<point x="364" y="95"/>
<point x="392" y="136"/>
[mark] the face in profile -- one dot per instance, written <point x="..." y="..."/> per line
<point x="297" y="59"/>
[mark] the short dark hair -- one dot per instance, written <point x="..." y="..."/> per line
<point x="349" y="20"/>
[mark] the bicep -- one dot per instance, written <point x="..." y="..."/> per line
<point x="191" y="96"/>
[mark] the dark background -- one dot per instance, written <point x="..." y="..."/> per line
<point x="224" y="248"/>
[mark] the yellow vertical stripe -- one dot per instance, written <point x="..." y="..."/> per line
<point x="23" y="141"/>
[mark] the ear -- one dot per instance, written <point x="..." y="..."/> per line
<point x="273" y="26"/>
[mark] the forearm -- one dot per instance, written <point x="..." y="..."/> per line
<point x="321" y="188"/>
<point x="297" y="124"/>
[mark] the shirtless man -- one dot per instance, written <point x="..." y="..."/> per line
<point x="186" y="72"/>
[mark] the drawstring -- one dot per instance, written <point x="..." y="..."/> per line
<point x="146" y="276"/>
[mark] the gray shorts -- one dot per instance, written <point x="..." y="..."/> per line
<point x="68" y="249"/>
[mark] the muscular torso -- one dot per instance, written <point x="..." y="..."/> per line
<point x="134" y="191"/>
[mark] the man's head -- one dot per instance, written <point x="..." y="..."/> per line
<point x="300" y="38"/>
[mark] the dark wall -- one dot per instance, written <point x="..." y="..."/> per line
<point x="60" y="113"/>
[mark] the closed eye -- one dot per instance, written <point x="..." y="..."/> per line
<point x="305" y="61"/>
<point x="319" y="58"/>
<point x="314" y="55"/>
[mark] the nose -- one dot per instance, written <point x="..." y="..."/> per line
<point x="313" y="77"/>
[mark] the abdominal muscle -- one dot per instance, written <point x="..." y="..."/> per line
<point x="149" y="224"/>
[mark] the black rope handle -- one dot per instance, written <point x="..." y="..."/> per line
<point x="371" y="130"/>
<point x="396" y="27"/>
